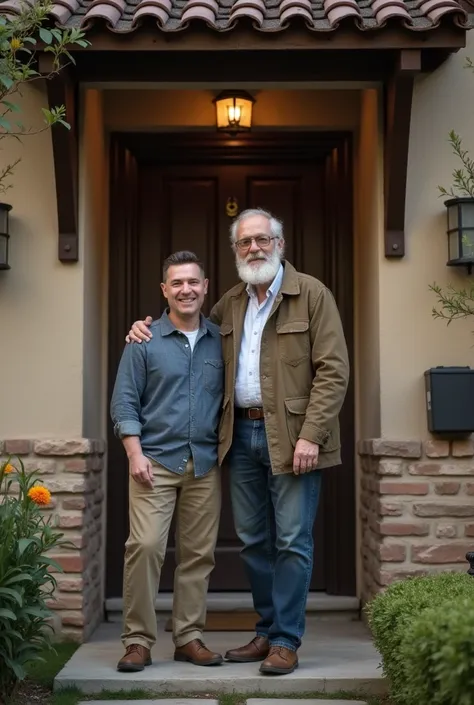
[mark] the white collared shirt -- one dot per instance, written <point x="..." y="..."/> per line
<point x="247" y="382"/>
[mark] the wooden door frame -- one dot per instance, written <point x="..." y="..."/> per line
<point x="127" y="151"/>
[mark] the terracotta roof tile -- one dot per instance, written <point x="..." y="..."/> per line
<point x="124" y="16"/>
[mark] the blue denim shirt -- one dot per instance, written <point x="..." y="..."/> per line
<point x="171" y="396"/>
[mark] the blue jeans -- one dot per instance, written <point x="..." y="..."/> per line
<point x="274" y="517"/>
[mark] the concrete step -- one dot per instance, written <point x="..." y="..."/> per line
<point x="335" y="656"/>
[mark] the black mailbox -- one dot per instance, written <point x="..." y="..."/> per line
<point x="450" y="400"/>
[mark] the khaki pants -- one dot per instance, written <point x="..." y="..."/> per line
<point x="198" y="504"/>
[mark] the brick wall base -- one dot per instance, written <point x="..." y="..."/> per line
<point x="73" y="471"/>
<point x="416" y="509"/>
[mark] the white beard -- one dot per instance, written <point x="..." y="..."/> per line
<point x="264" y="273"/>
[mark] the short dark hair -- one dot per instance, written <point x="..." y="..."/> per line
<point x="182" y="257"/>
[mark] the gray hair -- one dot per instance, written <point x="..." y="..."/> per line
<point x="276" y="226"/>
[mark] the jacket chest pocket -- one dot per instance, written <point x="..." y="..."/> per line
<point x="214" y="376"/>
<point x="293" y="342"/>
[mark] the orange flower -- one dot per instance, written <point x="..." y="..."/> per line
<point x="8" y="468"/>
<point x="40" y="495"/>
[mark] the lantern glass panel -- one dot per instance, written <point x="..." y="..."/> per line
<point x="234" y="112"/>
<point x="3" y="250"/>
<point x="454" y="245"/>
<point x="467" y="244"/>
<point x="452" y="217"/>
<point x="467" y="215"/>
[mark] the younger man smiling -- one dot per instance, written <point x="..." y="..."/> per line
<point x="172" y="452"/>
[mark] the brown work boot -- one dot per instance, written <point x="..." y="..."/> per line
<point x="135" y="659"/>
<point x="196" y="652"/>
<point x="280" y="661"/>
<point x="256" y="650"/>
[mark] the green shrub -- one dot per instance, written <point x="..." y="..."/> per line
<point x="392" y="612"/>
<point x="25" y="581"/>
<point x="438" y="653"/>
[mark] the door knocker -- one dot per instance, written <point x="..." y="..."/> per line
<point x="231" y="207"/>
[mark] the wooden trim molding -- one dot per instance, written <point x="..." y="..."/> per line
<point x="62" y="90"/>
<point x="398" y="104"/>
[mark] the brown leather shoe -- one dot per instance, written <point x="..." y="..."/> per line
<point x="280" y="661"/>
<point x="256" y="650"/>
<point x="196" y="652"/>
<point x="136" y="657"/>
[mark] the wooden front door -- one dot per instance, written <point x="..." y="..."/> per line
<point x="178" y="192"/>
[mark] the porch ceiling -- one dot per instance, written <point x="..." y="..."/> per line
<point x="321" y="16"/>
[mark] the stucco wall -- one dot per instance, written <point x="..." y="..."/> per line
<point x="411" y="341"/>
<point x="40" y="298"/>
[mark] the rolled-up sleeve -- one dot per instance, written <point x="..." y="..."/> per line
<point x="125" y="405"/>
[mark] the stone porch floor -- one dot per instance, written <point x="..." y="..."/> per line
<point x="337" y="654"/>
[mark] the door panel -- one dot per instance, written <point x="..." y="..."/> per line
<point x="183" y="206"/>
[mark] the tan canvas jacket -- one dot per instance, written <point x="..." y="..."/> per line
<point x="304" y="368"/>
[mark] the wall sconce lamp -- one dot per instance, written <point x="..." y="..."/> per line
<point x="234" y="111"/>
<point x="5" y="208"/>
<point x="460" y="232"/>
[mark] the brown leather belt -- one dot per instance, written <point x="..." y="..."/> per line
<point x="254" y="413"/>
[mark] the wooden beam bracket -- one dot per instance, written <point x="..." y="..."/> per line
<point x="62" y="90"/>
<point x="398" y="104"/>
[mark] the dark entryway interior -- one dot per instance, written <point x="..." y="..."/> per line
<point x="180" y="191"/>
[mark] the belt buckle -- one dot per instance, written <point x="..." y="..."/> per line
<point x="256" y="410"/>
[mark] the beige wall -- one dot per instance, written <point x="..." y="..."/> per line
<point x="93" y="217"/>
<point x="40" y="298"/>
<point x="411" y="341"/>
<point x="149" y="109"/>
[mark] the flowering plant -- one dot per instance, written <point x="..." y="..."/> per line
<point x="25" y="581"/>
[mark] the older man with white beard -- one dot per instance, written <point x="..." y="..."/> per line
<point x="286" y="378"/>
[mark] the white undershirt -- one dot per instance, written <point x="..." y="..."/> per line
<point x="191" y="335"/>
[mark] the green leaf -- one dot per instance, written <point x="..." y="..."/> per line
<point x="22" y="577"/>
<point x="36" y="612"/>
<point x="7" y="613"/>
<point x="6" y="124"/>
<point x="12" y="593"/>
<point x="11" y="106"/>
<point x="46" y="35"/>
<point x="23" y="545"/>
<point x="17" y="669"/>
<point x="7" y="81"/>
<point x="43" y="560"/>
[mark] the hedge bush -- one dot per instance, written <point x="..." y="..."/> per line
<point x="391" y="613"/>
<point x="438" y="653"/>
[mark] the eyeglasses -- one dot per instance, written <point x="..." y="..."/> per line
<point x="261" y="241"/>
